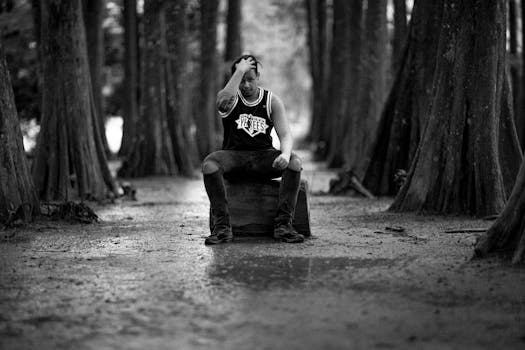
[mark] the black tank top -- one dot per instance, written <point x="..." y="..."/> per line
<point x="247" y="126"/>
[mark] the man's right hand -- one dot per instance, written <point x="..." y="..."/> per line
<point x="246" y="64"/>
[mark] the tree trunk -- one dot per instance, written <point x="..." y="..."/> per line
<point x="37" y="20"/>
<point x="152" y="152"/>
<point x="233" y="31"/>
<point x="207" y="134"/>
<point x="36" y="13"/>
<point x="17" y="191"/>
<point x="131" y="77"/>
<point x="509" y="150"/>
<point x="93" y="16"/>
<point x="403" y="115"/>
<point x="372" y="85"/>
<point x="457" y="167"/>
<point x="400" y="33"/>
<point x="70" y="161"/>
<point x="180" y="123"/>
<point x="352" y="48"/>
<point x="339" y="63"/>
<point x="318" y="41"/>
<point x="514" y="63"/>
<point x="507" y="234"/>
<point x="521" y="116"/>
<point x="233" y="42"/>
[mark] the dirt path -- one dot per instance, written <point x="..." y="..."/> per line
<point x="143" y="279"/>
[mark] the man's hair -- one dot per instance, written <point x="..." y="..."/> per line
<point x="257" y="63"/>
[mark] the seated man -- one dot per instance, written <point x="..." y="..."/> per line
<point x="248" y="114"/>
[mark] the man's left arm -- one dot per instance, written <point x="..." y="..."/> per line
<point x="282" y="128"/>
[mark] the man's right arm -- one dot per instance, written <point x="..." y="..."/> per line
<point x="226" y="97"/>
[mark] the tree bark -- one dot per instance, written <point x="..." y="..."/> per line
<point x="36" y="13"/>
<point x="319" y="41"/>
<point x="339" y="63"/>
<point x="152" y="152"/>
<point x="93" y="11"/>
<point x="403" y="115"/>
<point x="70" y="161"/>
<point x="507" y="234"/>
<point x="457" y="168"/>
<point x="372" y="85"/>
<point x="509" y="150"/>
<point x="350" y="74"/>
<point x="521" y="116"/>
<point x="131" y="77"/>
<point x="208" y="139"/>
<point x="180" y="123"/>
<point x="37" y="20"/>
<point x="17" y="191"/>
<point x="400" y="33"/>
<point x="514" y="64"/>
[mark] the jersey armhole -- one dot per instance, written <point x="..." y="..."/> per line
<point x="225" y="114"/>
<point x="269" y="105"/>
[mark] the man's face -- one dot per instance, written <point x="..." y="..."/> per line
<point x="249" y="84"/>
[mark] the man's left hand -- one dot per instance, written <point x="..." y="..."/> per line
<point x="281" y="162"/>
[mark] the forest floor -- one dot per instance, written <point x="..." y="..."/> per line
<point x="143" y="279"/>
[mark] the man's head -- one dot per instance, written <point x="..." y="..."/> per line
<point x="244" y="57"/>
<point x="250" y="81"/>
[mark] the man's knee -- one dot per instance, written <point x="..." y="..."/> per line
<point x="296" y="163"/>
<point x="210" y="166"/>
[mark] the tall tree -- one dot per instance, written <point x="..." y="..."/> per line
<point x="507" y="234"/>
<point x="17" y="191"/>
<point x="514" y="63"/>
<point x="37" y="18"/>
<point x="347" y="74"/>
<point x="152" y="150"/>
<point x="93" y="11"/>
<point x="521" y="121"/>
<point x="404" y="113"/>
<point x="131" y="77"/>
<point x="319" y="42"/>
<point x="233" y="31"/>
<point x="372" y="89"/>
<point x="400" y="33"/>
<point x="339" y="70"/>
<point x="207" y="139"/>
<point x="457" y="168"/>
<point x="175" y="42"/>
<point x="70" y="161"/>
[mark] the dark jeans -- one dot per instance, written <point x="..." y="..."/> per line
<point x="245" y="165"/>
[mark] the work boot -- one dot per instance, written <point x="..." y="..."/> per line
<point x="220" y="217"/>
<point x="287" y="233"/>
<point x="288" y="192"/>
<point x="220" y="234"/>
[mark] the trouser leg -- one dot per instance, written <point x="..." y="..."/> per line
<point x="290" y="182"/>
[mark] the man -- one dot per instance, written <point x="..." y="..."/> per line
<point x="248" y="115"/>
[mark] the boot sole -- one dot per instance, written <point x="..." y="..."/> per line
<point x="219" y="241"/>
<point x="290" y="240"/>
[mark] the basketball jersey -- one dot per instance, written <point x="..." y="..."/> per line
<point x="247" y="126"/>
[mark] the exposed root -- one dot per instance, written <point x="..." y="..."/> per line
<point x="18" y="216"/>
<point x="347" y="182"/>
<point x="69" y="211"/>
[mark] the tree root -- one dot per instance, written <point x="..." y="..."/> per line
<point x="347" y="182"/>
<point x="19" y="216"/>
<point x="69" y="211"/>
